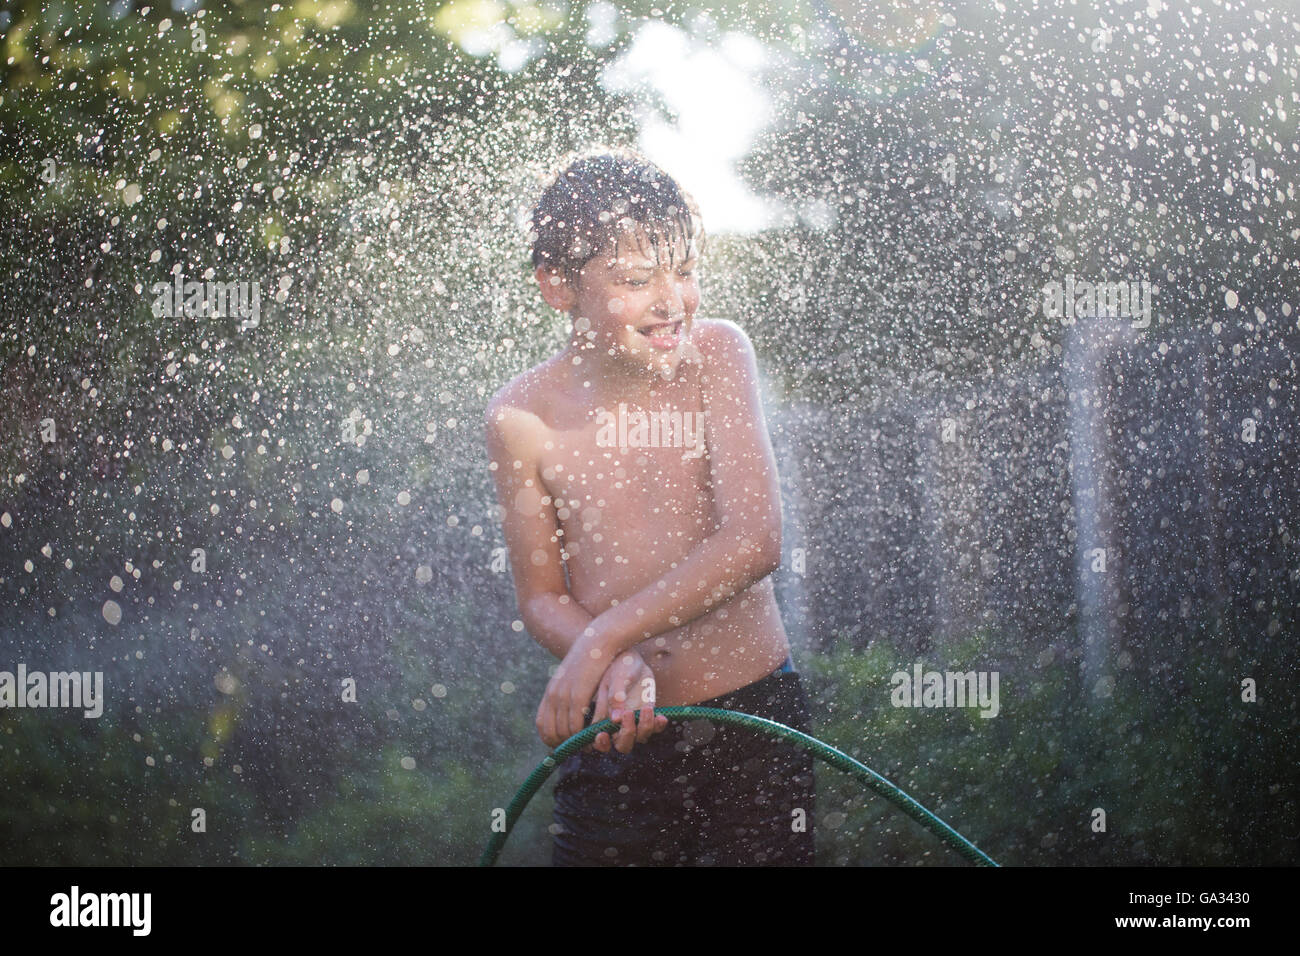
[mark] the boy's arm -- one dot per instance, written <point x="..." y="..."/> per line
<point x="550" y="614"/>
<point x="532" y="531"/>
<point x="744" y="550"/>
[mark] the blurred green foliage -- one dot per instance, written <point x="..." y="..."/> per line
<point x="1186" y="771"/>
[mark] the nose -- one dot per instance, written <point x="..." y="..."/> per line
<point x="670" y="303"/>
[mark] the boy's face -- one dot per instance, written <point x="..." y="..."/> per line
<point x="641" y="310"/>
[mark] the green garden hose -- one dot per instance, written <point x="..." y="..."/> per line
<point x="823" y="751"/>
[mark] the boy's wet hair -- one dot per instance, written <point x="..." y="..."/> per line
<point x="592" y="198"/>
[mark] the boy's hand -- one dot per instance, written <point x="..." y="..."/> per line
<point x="577" y="680"/>
<point x="628" y="686"/>
<point x="569" y="694"/>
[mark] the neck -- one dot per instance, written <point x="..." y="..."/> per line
<point x="612" y="378"/>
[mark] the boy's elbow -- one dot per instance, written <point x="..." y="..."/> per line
<point x="531" y="611"/>
<point x="772" y="543"/>
<point x="765" y="550"/>
<point x="538" y="611"/>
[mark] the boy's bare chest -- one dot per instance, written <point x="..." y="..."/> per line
<point x="627" y="455"/>
<point x="625" y="471"/>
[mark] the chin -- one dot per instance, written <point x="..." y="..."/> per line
<point x="669" y="365"/>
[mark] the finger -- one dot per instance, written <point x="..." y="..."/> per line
<point x="623" y="740"/>
<point x="553" y="724"/>
<point x="546" y="722"/>
<point x="602" y="703"/>
<point x="626" y="733"/>
<point x="602" y="742"/>
<point x="540" y="723"/>
<point x="617" y="702"/>
<point x="546" y="712"/>
<point x="647" y="725"/>
<point x="562" y="723"/>
<point x="577" y="713"/>
<point x="560" y="715"/>
<point x="585" y="716"/>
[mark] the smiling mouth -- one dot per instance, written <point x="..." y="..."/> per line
<point x="661" y="329"/>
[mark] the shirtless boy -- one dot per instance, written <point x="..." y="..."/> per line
<point x="641" y="555"/>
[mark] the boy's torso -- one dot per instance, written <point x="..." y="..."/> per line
<point x="629" y="512"/>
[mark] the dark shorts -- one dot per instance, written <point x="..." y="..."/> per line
<point x="698" y="794"/>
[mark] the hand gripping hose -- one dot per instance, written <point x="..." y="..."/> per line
<point x="823" y="751"/>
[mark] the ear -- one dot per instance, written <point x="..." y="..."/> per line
<point x="556" y="291"/>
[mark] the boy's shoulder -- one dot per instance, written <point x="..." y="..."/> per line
<point x="720" y="338"/>
<point x="524" y="391"/>
<point x="724" y="350"/>
<point x="519" y="407"/>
